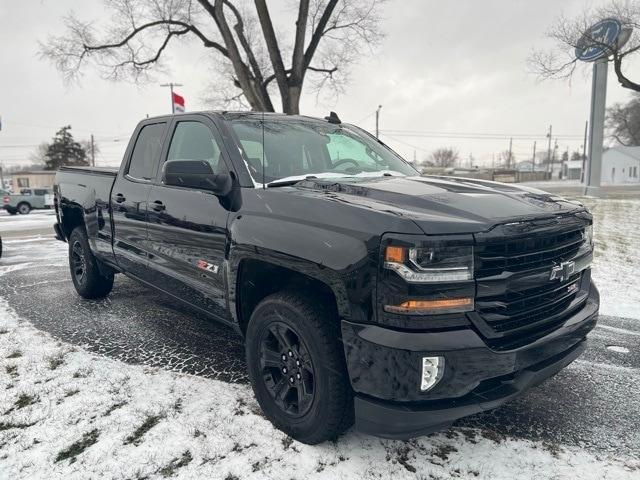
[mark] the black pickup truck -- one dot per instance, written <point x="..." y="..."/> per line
<point x="364" y="291"/>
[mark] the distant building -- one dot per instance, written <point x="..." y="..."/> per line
<point x="620" y="165"/>
<point x="527" y="166"/>
<point x="32" y="179"/>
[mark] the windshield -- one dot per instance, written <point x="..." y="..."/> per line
<point x="299" y="147"/>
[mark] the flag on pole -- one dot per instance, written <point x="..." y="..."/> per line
<point x="178" y="103"/>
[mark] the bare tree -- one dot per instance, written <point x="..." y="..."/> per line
<point x="39" y="155"/>
<point x="444" y="157"/>
<point x="507" y="158"/>
<point x="623" y="122"/>
<point x="569" y="33"/>
<point x="328" y="37"/>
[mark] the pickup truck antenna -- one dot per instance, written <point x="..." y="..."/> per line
<point x="263" y="184"/>
<point x="333" y="118"/>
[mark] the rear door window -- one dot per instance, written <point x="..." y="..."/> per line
<point x="146" y="152"/>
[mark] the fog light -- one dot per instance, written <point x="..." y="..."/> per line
<point x="432" y="370"/>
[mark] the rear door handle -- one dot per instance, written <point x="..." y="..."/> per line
<point x="120" y="198"/>
<point x="157" y="205"/>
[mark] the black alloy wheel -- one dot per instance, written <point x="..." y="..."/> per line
<point x="78" y="262"/>
<point x="287" y="369"/>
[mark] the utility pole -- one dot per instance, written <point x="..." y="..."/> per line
<point x="549" y="147"/>
<point x="93" y="152"/>
<point x="584" y="151"/>
<point x="533" y="158"/>
<point x="1" y="175"/>
<point x="378" y="121"/>
<point x="171" y="85"/>
<point x="553" y="157"/>
<point x="509" y="158"/>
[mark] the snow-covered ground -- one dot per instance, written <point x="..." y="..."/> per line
<point x="35" y="219"/>
<point x="66" y="413"/>
<point x="616" y="266"/>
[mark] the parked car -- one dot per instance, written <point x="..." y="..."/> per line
<point x="28" y="199"/>
<point x="364" y="291"/>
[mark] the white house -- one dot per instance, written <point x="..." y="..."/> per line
<point x="621" y="165"/>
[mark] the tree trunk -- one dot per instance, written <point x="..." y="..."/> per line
<point x="291" y="104"/>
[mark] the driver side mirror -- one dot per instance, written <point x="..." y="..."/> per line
<point x="196" y="174"/>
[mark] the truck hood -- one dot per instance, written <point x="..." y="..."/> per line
<point x="443" y="204"/>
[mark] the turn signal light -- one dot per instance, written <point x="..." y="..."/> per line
<point x="394" y="254"/>
<point x="426" y="307"/>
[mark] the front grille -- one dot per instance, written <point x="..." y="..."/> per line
<point x="517" y="302"/>
<point x="520" y="254"/>
<point x="527" y="308"/>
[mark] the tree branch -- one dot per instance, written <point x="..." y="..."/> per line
<point x="297" y="60"/>
<point x="624" y="81"/>
<point x="187" y="28"/>
<point x="319" y="32"/>
<point x="272" y="48"/>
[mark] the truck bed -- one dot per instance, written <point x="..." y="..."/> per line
<point x="109" y="171"/>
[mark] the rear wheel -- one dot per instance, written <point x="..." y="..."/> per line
<point x="85" y="274"/>
<point x="24" y="208"/>
<point x="297" y="369"/>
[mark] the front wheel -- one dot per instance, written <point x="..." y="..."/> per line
<point x="24" y="208"/>
<point x="85" y="274"/>
<point x="297" y="368"/>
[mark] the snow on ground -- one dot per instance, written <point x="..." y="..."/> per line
<point x="616" y="263"/>
<point x="35" y="219"/>
<point x="65" y="413"/>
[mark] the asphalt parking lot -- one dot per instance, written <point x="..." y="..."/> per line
<point x="593" y="404"/>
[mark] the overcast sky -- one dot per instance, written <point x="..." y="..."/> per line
<point x="444" y="68"/>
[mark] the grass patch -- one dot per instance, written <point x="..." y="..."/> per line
<point x="24" y="400"/>
<point x="55" y="361"/>
<point x="78" y="447"/>
<point x="11" y="370"/>
<point x="15" y="354"/>
<point x="184" y="460"/>
<point x="8" y="425"/>
<point x="71" y="393"/>
<point x="114" y="407"/>
<point x="82" y="373"/>
<point x="150" y="422"/>
<point x="3" y="330"/>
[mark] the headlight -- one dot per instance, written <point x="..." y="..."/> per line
<point x="431" y="264"/>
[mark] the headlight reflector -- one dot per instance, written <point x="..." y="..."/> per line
<point x="431" y="264"/>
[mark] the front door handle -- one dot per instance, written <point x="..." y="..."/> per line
<point x="157" y="205"/>
<point x="120" y="198"/>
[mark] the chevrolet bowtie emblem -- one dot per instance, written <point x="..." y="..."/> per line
<point x="562" y="271"/>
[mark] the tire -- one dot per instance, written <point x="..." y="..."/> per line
<point x="83" y="266"/>
<point x="310" y="331"/>
<point x="24" y="208"/>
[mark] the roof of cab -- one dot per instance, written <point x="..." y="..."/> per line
<point x="235" y="115"/>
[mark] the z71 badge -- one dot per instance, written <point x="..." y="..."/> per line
<point x="209" y="267"/>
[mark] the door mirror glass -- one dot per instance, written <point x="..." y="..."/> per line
<point x="196" y="174"/>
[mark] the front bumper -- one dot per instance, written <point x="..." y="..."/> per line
<point x="385" y="368"/>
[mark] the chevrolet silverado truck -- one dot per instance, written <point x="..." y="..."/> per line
<point x="364" y="291"/>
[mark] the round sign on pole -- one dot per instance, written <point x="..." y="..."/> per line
<point x="599" y="40"/>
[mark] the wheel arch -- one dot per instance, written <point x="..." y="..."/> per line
<point x="254" y="279"/>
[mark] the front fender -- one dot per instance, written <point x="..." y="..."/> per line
<point x="346" y="264"/>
